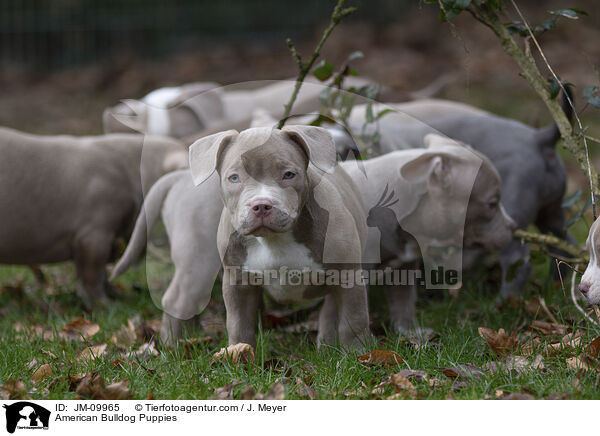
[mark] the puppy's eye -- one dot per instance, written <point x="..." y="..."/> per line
<point x="234" y="178"/>
<point x="493" y="204"/>
<point x="288" y="175"/>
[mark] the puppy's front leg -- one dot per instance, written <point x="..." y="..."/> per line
<point x="353" y="316"/>
<point x="328" y="322"/>
<point x="242" y="305"/>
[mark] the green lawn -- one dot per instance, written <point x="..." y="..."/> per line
<point x="187" y="372"/>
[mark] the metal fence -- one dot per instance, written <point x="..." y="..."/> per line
<point x="50" y="34"/>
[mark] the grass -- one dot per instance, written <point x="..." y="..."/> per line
<point x="187" y="372"/>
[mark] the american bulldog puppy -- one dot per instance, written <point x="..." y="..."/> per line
<point x="589" y="286"/>
<point x="433" y="204"/>
<point x="70" y="198"/>
<point x="292" y="225"/>
<point x="533" y="174"/>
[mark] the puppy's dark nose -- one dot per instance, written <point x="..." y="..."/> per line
<point x="261" y="208"/>
<point x="584" y="288"/>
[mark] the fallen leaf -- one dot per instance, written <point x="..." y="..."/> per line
<point x="79" y="329"/>
<point x="277" y="392"/>
<point x="435" y="382"/>
<point x="593" y="348"/>
<point x="92" y="353"/>
<point x="150" y="396"/>
<point x="236" y="353"/>
<point x="118" y="391"/>
<point x="148" y="331"/>
<point x="146" y="351"/>
<point x="32" y="364"/>
<point x="126" y="336"/>
<point x="50" y="354"/>
<point x="42" y="372"/>
<point x="401" y="383"/>
<point x="581" y="362"/>
<point x="569" y="342"/>
<point x="414" y="374"/>
<point x="499" y="341"/>
<point x="303" y="390"/>
<point x="226" y="392"/>
<point x="93" y="387"/>
<point x="536" y="306"/>
<point x="15" y="389"/>
<point x="549" y="328"/>
<point x="518" y="396"/>
<point x="463" y="371"/>
<point x="381" y="357"/>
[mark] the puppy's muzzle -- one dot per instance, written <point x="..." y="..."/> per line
<point x="261" y="208"/>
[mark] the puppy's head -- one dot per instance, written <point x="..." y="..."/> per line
<point x="590" y="282"/>
<point x="455" y="173"/>
<point x="263" y="173"/>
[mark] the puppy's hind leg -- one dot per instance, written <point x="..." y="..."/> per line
<point x="92" y="252"/>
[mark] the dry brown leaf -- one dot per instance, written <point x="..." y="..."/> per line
<point x="50" y="354"/>
<point x="150" y="396"/>
<point x="15" y="389"/>
<point x="126" y="336"/>
<point x="118" y="391"/>
<point x="226" y="392"/>
<point x="277" y="392"/>
<point x="401" y="383"/>
<point x="92" y="387"/>
<point x="568" y="342"/>
<point x="531" y="347"/>
<point x="79" y="329"/>
<point x="381" y="357"/>
<point x="435" y="382"/>
<point x="303" y="390"/>
<point x="593" y="348"/>
<point x="464" y="371"/>
<point x="414" y="374"/>
<point x="237" y="353"/>
<point x="92" y="353"/>
<point x="518" y="396"/>
<point x="42" y="373"/>
<point x="581" y="362"/>
<point x="146" y="351"/>
<point x="549" y="328"/>
<point x="499" y="341"/>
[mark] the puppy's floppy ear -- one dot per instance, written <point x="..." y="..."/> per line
<point x="205" y="152"/>
<point x="317" y="144"/>
<point x="432" y="167"/>
<point x="131" y="114"/>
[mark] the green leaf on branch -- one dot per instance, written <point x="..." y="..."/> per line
<point x="355" y="55"/>
<point x="323" y="70"/>
<point x="571" y="13"/>
<point x="590" y="95"/>
<point x="512" y="270"/>
<point x="554" y="88"/>
<point x="516" y="28"/>
<point x="537" y="257"/>
<point x="383" y="112"/>
<point x="571" y="199"/>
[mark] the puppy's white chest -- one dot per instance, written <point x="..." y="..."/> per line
<point x="283" y="264"/>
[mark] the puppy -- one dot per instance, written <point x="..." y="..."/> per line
<point x="590" y="282"/>
<point x="291" y="218"/>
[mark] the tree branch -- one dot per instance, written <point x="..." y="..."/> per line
<point x="571" y="139"/>
<point x="338" y="14"/>
<point x="579" y="255"/>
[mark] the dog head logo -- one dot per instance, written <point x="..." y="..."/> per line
<point x="26" y="415"/>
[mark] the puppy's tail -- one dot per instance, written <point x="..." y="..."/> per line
<point x="549" y="135"/>
<point x="145" y="221"/>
